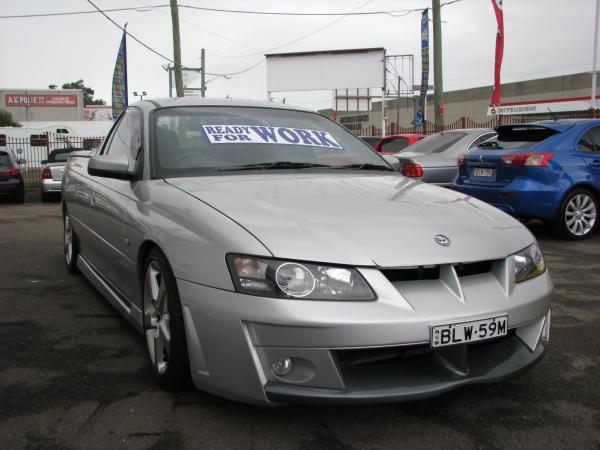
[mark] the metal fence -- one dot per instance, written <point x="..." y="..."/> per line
<point x="466" y="122"/>
<point x="37" y="147"/>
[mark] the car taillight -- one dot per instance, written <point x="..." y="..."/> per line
<point x="412" y="170"/>
<point x="460" y="161"/>
<point x="528" y="159"/>
<point x="13" y="172"/>
<point x="46" y="174"/>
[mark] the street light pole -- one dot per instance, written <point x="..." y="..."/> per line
<point x="438" y="83"/>
<point x="595" y="64"/>
<point x="203" y="73"/>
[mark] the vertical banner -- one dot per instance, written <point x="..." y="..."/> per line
<point x="496" y="97"/>
<point x="119" y="84"/>
<point x="420" y="115"/>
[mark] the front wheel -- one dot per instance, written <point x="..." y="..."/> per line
<point x="70" y="245"/>
<point x="163" y="323"/>
<point x="577" y="215"/>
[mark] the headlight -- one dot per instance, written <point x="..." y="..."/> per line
<point x="529" y="263"/>
<point x="289" y="279"/>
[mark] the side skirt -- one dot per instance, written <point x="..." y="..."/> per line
<point x="130" y="311"/>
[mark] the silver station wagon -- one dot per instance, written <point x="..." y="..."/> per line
<point x="269" y="256"/>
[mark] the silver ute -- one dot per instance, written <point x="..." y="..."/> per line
<point x="269" y="256"/>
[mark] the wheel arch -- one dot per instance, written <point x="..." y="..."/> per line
<point x="581" y="185"/>
<point x="145" y="248"/>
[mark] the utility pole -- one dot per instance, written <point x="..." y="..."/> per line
<point x="595" y="59"/>
<point x="176" y="49"/>
<point x="203" y="73"/>
<point x="437" y="63"/>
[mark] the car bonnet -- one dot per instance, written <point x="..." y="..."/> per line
<point x="360" y="219"/>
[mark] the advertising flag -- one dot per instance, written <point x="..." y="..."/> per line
<point x="420" y="115"/>
<point x="496" y="97"/>
<point x="119" y="84"/>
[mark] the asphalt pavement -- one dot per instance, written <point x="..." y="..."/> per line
<point x="75" y="374"/>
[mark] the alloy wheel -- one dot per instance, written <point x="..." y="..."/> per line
<point x="156" y="313"/>
<point x="580" y="214"/>
<point x="68" y="240"/>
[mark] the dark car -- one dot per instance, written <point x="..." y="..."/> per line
<point x="11" y="180"/>
<point x="548" y="170"/>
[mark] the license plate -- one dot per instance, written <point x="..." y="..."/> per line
<point x="466" y="332"/>
<point x="482" y="172"/>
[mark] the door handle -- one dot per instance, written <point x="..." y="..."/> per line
<point x="595" y="163"/>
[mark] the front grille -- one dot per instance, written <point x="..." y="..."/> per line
<point x="433" y="272"/>
<point x="475" y="268"/>
<point x="412" y="273"/>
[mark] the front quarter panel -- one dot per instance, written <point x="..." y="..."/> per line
<point x="194" y="236"/>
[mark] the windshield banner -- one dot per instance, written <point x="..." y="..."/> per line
<point x="258" y="134"/>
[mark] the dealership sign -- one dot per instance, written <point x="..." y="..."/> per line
<point x="32" y="100"/>
<point x="541" y="107"/>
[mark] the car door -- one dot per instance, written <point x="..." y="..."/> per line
<point x="589" y="149"/>
<point x="109" y="198"/>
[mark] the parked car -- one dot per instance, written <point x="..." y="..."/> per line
<point x="370" y="140"/>
<point x="270" y="256"/>
<point x="548" y="170"/>
<point x="433" y="159"/>
<point x="11" y="179"/>
<point x="397" y="142"/>
<point x="52" y="172"/>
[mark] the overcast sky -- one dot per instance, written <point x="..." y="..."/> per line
<point x="542" y="38"/>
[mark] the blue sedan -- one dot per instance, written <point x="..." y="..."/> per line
<point x="548" y="170"/>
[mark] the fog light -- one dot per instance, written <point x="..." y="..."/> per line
<point x="282" y="367"/>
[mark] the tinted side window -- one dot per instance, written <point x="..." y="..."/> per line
<point x="590" y="142"/>
<point x="481" y="139"/>
<point x="394" y="145"/>
<point x="127" y="138"/>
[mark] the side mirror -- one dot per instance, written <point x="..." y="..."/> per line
<point x="22" y="161"/>
<point x="110" y="167"/>
<point x="394" y="162"/>
<point x="42" y="162"/>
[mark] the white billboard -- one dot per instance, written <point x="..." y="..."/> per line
<point x="330" y="69"/>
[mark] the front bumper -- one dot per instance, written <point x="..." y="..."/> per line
<point x="233" y="339"/>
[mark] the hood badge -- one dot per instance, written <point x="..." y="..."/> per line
<point x="442" y="240"/>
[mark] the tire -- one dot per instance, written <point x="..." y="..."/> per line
<point x="163" y="324"/>
<point x="70" y="245"/>
<point x="20" y="197"/>
<point x="577" y="215"/>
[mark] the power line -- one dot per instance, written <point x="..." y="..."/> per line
<point x="301" y="37"/>
<point x="146" y="46"/>
<point x="74" y="13"/>
<point x="393" y="13"/>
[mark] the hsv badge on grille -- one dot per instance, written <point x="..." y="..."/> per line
<point x="442" y="240"/>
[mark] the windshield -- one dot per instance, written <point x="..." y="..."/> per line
<point x="436" y="143"/>
<point x="518" y="136"/>
<point x="196" y="140"/>
<point x="58" y="157"/>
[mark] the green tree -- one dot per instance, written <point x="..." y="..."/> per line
<point x="88" y="93"/>
<point x="6" y="119"/>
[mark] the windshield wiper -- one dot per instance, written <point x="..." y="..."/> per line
<point x="274" y="165"/>
<point x="366" y="166"/>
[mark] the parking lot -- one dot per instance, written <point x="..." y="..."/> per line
<point x="73" y="373"/>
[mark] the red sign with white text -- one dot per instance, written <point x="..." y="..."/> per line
<point x="33" y="100"/>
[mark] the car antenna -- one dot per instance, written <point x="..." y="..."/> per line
<point x="553" y="115"/>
